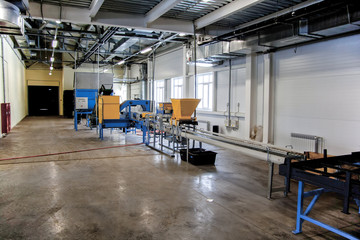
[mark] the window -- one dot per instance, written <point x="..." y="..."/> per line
<point x="159" y="91"/>
<point x="204" y="90"/>
<point x="177" y="87"/>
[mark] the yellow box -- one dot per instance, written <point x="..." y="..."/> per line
<point x="144" y="114"/>
<point x="109" y="107"/>
<point x="183" y="108"/>
<point x="165" y="106"/>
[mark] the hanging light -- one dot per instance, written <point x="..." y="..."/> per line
<point x="51" y="68"/>
<point x="52" y="59"/>
<point x="54" y="43"/>
<point x="50" y="73"/>
<point x="58" y="21"/>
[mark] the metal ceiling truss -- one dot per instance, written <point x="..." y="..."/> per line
<point x="138" y="24"/>
<point x="94" y="48"/>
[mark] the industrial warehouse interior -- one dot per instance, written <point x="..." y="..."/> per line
<point x="180" y="119"/>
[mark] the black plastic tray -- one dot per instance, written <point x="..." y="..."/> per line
<point x="199" y="156"/>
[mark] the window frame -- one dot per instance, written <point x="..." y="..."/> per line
<point x="176" y="88"/>
<point x="205" y="80"/>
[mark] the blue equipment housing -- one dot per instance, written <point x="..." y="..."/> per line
<point x="127" y="119"/>
<point x="91" y="95"/>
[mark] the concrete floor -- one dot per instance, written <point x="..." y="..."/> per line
<point x="137" y="193"/>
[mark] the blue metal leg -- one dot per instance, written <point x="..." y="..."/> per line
<point x="75" y="120"/>
<point x="358" y="203"/>
<point x="300" y="202"/>
<point x="144" y="134"/>
<point x="303" y="216"/>
<point x="101" y="132"/>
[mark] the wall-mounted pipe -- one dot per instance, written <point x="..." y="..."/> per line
<point x="153" y="83"/>
<point x="229" y="93"/>
<point x="3" y="67"/>
<point x="195" y="66"/>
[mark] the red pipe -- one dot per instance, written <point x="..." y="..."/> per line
<point x="75" y="151"/>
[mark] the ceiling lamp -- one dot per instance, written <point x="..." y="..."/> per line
<point x="54" y="43"/>
<point x="50" y="73"/>
<point x="51" y="68"/>
<point x="121" y="62"/>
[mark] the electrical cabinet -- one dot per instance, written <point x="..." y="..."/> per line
<point x="5" y="118"/>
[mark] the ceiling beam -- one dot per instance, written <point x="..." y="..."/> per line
<point x="224" y="12"/>
<point x="95" y="7"/>
<point x="82" y="16"/>
<point x="163" y="7"/>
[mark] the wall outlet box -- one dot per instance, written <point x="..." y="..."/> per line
<point x="235" y="123"/>
<point x="227" y="123"/>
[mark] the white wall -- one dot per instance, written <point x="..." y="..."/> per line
<point x="317" y="92"/>
<point x="15" y="90"/>
<point x="135" y="90"/>
<point x="169" y="65"/>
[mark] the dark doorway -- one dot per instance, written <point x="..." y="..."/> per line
<point x="43" y="100"/>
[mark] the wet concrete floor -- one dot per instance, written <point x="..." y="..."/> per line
<point x="135" y="192"/>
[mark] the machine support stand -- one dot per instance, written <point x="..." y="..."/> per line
<point x="303" y="215"/>
<point x="187" y="149"/>
<point x="358" y="203"/>
<point x="347" y="193"/>
<point x="300" y="203"/>
<point x="287" y="177"/>
<point x="270" y="179"/>
<point x="75" y="120"/>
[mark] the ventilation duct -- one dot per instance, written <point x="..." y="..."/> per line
<point x="11" y="22"/>
<point x="282" y="35"/>
<point x="340" y="22"/>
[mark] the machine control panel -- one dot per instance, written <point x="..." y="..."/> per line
<point x="81" y="103"/>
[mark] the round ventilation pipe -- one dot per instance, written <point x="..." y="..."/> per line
<point x="10" y="15"/>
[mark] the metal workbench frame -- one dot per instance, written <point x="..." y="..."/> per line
<point x="344" y="179"/>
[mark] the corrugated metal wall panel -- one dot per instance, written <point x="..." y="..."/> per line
<point x="317" y="92"/>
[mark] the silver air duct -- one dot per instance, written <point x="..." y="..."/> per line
<point x="11" y="22"/>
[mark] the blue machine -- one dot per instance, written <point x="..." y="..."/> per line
<point x="127" y="119"/>
<point x="85" y="101"/>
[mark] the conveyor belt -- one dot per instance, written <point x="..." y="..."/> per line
<point x="258" y="150"/>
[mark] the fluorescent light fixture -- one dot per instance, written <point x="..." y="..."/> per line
<point x="206" y="0"/>
<point x="54" y="43"/>
<point x="51" y="68"/>
<point x="206" y="64"/>
<point x="58" y="21"/>
<point x="146" y="50"/>
<point x="52" y="59"/>
<point x="182" y="34"/>
<point x="121" y="62"/>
